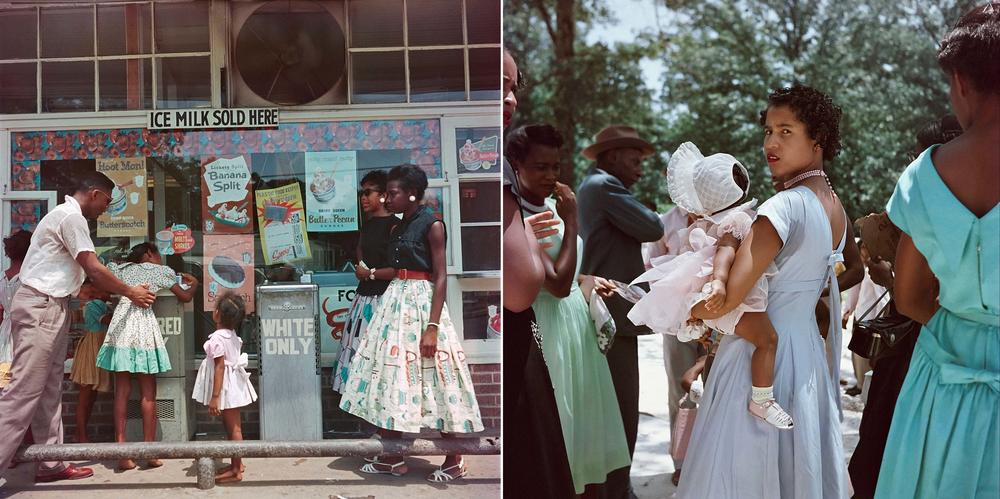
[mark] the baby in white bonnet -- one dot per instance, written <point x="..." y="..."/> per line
<point x="713" y="189"/>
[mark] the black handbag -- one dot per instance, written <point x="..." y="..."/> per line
<point x="876" y="338"/>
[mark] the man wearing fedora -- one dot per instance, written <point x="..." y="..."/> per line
<point x="614" y="224"/>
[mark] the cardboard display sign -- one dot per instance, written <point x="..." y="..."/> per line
<point x="280" y="216"/>
<point x="229" y="267"/>
<point x="331" y="191"/>
<point x="226" y="203"/>
<point x="127" y="213"/>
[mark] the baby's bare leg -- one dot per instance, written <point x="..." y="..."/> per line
<point x="756" y="328"/>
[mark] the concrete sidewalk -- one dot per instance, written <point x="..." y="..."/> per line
<point x="651" y="465"/>
<point x="289" y="477"/>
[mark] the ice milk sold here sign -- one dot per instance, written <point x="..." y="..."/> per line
<point x="187" y="119"/>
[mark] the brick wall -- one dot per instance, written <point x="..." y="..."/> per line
<point x="336" y="423"/>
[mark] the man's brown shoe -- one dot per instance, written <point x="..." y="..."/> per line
<point x="70" y="473"/>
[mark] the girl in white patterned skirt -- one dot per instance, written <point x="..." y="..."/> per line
<point x="223" y="383"/>
<point x="134" y="344"/>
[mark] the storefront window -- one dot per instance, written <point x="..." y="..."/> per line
<point x="183" y="82"/>
<point x="69" y="86"/>
<point x="18" y="29"/>
<point x="437" y="75"/>
<point x="181" y="27"/>
<point x="379" y="77"/>
<point x="124" y="30"/>
<point x="126" y="84"/>
<point x="377" y="23"/>
<point x="434" y="22"/>
<point x="18" y="87"/>
<point x="234" y="233"/>
<point x="67" y="31"/>
<point x="60" y="42"/>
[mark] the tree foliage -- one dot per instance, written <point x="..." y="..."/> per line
<point x="877" y="59"/>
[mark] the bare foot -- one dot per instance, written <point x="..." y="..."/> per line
<point x="229" y="477"/>
<point x="154" y="463"/>
<point x="228" y="469"/>
<point x="126" y="464"/>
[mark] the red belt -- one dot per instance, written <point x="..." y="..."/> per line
<point x="413" y="274"/>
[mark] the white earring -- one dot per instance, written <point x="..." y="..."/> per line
<point x="412" y="198"/>
<point x="381" y="200"/>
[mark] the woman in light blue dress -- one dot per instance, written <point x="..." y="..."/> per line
<point x="945" y="435"/>
<point x="804" y="231"/>
<point x="585" y="396"/>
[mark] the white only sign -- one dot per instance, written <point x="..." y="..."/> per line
<point x="186" y="119"/>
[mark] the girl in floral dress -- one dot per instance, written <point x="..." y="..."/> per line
<point x="134" y="344"/>
<point x="409" y="371"/>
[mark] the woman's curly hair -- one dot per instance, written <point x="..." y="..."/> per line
<point x="814" y="108"/>
<point x="971" y="48"/>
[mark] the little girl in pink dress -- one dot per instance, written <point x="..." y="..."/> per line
<point x="713" y="189"/>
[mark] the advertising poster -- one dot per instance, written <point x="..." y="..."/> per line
<point x="226" y="204"/>
<point x="127" y="215"/>
<point x="283" y="235"/>
<point x="478" y="149"/>
<point x="331" y="191"/>
<point x="174" y="240"/>
<point x="229" y="267"/>
<point x="334" y="303"/>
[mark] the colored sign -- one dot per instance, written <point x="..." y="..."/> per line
<point x="229" y="267"/>
<point x="186" y="119"/>
<point x="226" y="204"/>
<point x="280" y="217"/>
<point x="174" y="240"/>
<point x="331" y="191"/>
<point x="127" y="213"/>
<point x="334" y="303"/>
<point x="478" y="149"/>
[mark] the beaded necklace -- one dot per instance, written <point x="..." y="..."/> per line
<point x="811" y="173"/>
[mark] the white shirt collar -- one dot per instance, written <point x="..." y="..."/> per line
<point x="74" y="204"/>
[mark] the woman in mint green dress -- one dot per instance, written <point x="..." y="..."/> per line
<point x="585" y="395"/>
<point x="945" y="435"/>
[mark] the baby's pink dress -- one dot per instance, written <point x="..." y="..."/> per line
<point x="678" y="282"/>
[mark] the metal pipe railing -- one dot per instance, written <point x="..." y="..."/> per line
<point x="204" y="452"/>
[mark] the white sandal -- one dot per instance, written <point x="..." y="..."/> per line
<point x="771" y="413"/>
<point x="371" y="467"/>
<point x="441" y="475"/>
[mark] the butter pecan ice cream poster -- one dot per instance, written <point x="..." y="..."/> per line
<point x="226" y="203"/>
<point x="331" y="191"/>
<point x="127" y="214"/>
<point x="228" y="267"/>
<point x="281" y="219"/>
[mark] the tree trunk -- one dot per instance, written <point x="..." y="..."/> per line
<point x="565" y="108"/>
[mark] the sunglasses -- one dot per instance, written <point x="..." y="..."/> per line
<point x="368" y="192"/>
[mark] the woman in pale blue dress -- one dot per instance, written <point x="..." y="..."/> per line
<point x="804" y="231"/>
<point x="581" y="380"/>
<point x="945" y="435"/>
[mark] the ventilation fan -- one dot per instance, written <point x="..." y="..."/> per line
<point x="288" y="53"/>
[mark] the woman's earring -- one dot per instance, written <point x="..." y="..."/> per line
<point x="381" y="200"/>
<point x="412" y="198"/>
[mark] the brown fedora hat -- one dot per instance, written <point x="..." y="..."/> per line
<point x="617" y="137"/>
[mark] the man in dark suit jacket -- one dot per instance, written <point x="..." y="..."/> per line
<point x="614" y="224"/>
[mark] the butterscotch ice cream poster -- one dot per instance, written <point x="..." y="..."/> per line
<point x="331" y="191"/>
<point x="282" y="223"/>
<point x="226" y="203"/>
<point x="228" y="267"/>
<point x="127" y="214"/>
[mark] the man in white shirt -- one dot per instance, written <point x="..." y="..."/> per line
<point x="61" y="255"/>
